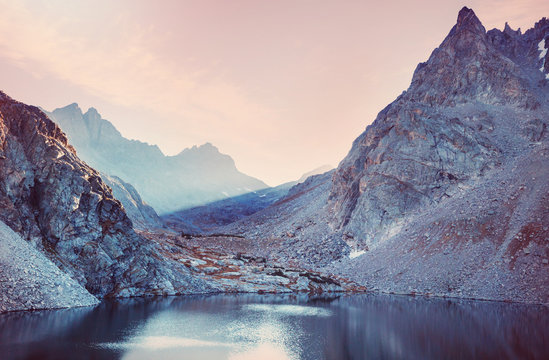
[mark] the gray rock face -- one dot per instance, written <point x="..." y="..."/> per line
<point x="455" y="122"/>
<point x="62" y="206"/>
<point x="195" y="176"/>
<point x="489" y="241"/>
<point x="427" y="200"/>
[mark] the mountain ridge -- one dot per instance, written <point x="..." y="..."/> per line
<point x="194" y="176"/>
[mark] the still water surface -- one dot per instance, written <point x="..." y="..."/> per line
<point x="280" y="327"/>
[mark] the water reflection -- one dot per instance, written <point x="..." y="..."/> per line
<point x="280" y="327"/>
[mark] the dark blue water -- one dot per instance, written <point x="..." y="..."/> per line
<point x="280" y="327"/>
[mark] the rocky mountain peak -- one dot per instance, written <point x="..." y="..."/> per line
<point x="206" y="148"/>
<point x="195" y="176"/>
<point x="467" y="37"/>
<point x="542" y="23"/>
<point x="439" y="133"/>
<point x="470" y="65"/>
<point x="468" y="20"/>
<point x="92" y="113"/>
<point x="509" y="31"/>
<point x="72" y="109"/>
<point x="41" y="124"/>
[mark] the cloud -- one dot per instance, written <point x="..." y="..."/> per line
<point x="121" y="66"/>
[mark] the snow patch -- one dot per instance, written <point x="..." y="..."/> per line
<point x="543" y="53"/>
<point x="356" y="253"/>
<point x="541" y="47"/>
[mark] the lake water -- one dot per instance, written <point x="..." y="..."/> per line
<point x="280" y="327"/>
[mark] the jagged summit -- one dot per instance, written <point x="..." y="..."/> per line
<point x="468" y="21"/>
<point x="509" y="30"/>
<point x="73" y="108"/>
<point x="195" y="176"/>
<point x="470" y="65"/>
<point x="92" y="112"/>
<point x="207" y="147"/>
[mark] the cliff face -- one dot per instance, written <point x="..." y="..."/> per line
<point x="62" y="206"/>
<point x="468" y="110"/>
<point x="195" y="176"/>
<point x="446" y="191"/>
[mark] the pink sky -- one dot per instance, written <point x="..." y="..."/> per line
<point x="281" y="86"/>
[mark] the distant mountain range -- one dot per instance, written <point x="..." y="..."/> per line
<point x="193" y="177"/>
<point x="207" y="218"/>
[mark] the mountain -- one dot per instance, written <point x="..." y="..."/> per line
<point x="193" y="177"/>
<point x="61" y="206"/>
<point x="446" y="191"/>
<point x="66" y="240"/>
<point x="207" y="218"/>
<point x="142" y="215"/>
<point x="319" y="170"/>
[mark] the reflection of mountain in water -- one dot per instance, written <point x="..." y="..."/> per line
<point x="348" y="327"/>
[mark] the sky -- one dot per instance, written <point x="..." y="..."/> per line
<point x="281" y="86"/>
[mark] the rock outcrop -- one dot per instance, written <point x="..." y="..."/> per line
<point x="194" y="177"/>
<point x="63" y="208"/>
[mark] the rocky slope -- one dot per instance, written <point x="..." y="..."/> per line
<point x="193" y="177"/>
<point x="62" y="207"/>
<point x="460" y="117"/>
<point x="445" y="189"/>
<point x="207" y="218"/>
<point x="29" y="280"/>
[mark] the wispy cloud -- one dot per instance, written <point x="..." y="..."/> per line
<point x="122" y="68"/>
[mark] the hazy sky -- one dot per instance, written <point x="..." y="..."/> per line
<point x="281" y="86"/>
